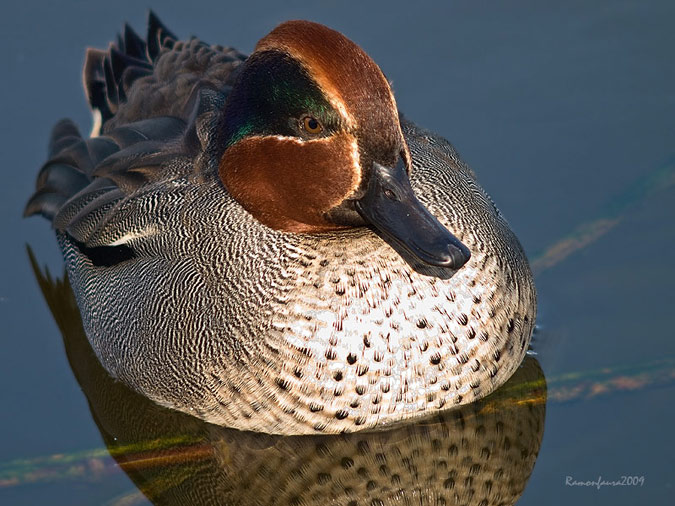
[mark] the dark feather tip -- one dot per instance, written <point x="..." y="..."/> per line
<point x="158" y="36"/>
<point x="63" y="134"/>
<point x="112" y="97"/>
<point x="135" y="46"/>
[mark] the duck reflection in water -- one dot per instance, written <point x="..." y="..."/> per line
<point x="478" y="454"/>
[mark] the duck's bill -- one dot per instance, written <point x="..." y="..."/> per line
<point x="392" y="208"/>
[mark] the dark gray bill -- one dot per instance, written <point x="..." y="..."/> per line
<point x="392" y="208"/>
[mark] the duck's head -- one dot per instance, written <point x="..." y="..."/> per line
<point x="313" y="143"/>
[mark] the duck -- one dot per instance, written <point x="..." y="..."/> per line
<point x="266" y="243"/>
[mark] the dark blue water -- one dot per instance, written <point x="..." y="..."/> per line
<point x="566" y="111"/>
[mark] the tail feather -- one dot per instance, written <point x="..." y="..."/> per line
<point x="45" y="203"/>
<point x="108" y="75"/>
<point x="64" y="174"/>
<point x="134" y="45"/>
<point x="64" y="133"/>
<point x="61" y="178"/>
<point x="84" y="154"/>
<point x="158" y="35"/>
<point x="111" y="89"/>
<point x="75" y="154"/>
<point x="122" y="61"/>
<point x="93" y="77"/>
<point x="69" y="170"/>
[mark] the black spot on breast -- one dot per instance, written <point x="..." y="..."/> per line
<point x="323" y="478"/>
<point x="282" y="384"/>
<point x="364" y="449"/>
<point x="361" y="369"/>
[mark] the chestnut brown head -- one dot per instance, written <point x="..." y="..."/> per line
<point x="313" y="143"/>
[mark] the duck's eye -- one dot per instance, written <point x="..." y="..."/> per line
<point x="311" y="125"/>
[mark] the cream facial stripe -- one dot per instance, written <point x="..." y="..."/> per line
<point x="340" y="107"/>
<point x="296" y="140"/>
<point x="356" y="165"/>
